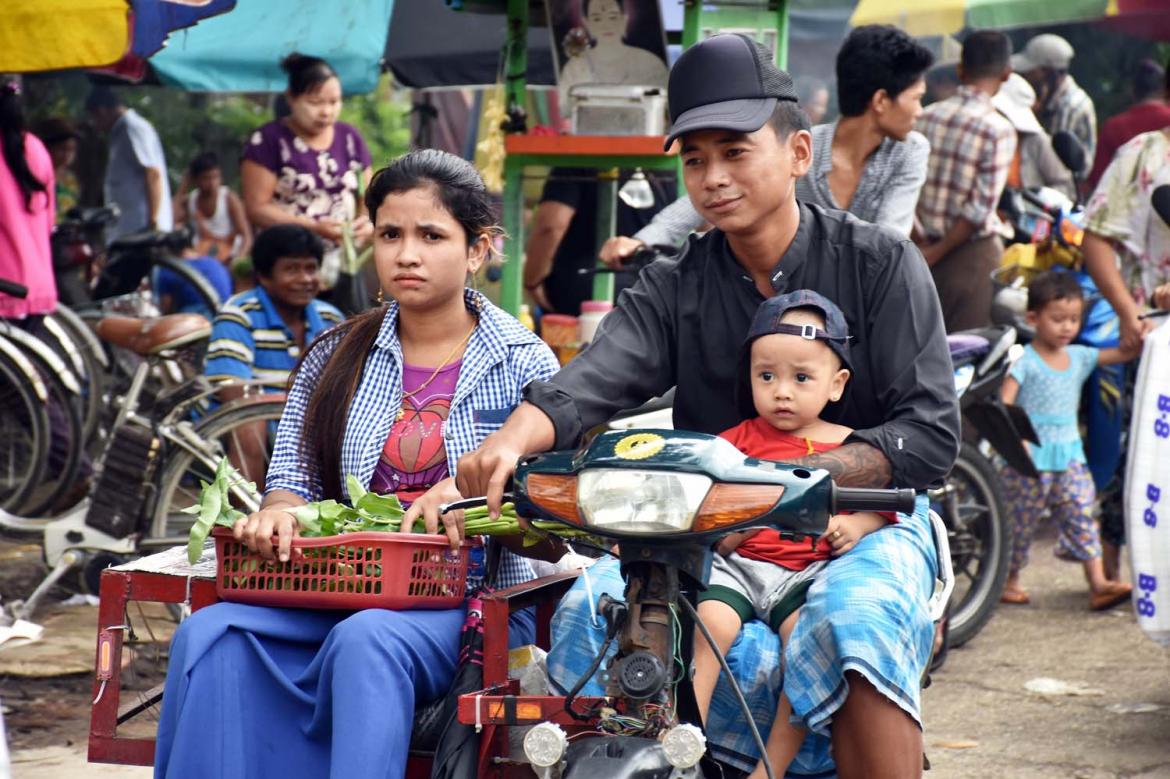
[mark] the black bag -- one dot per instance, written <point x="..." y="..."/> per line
<point x="457" y="751"/>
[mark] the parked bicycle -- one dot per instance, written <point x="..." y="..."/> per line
<point x="158" y="449"/>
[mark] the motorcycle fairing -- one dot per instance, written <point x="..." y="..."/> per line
<point x="799" y="511"/>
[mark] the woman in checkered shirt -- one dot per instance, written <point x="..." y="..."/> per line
<point x="393" y="396"/>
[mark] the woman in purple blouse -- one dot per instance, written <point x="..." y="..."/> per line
<point x="308" y="168"/>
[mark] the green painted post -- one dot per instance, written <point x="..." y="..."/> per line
<point x="512" y="279"/>
<point x="782" y="34"/>
<point x="515" y="88"/>
<point x="516" y="75"/>
<point x="606" y="226"/>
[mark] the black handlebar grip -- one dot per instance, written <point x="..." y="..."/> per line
<point x="857" y="499"/>
<point x="13" y="289"/>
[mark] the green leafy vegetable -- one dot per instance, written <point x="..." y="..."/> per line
<point x="369" y="512"/>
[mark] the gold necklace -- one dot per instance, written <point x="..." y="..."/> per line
<point x="442" y="364"/>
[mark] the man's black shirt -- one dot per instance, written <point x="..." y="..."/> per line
<point x="685" y="320"/>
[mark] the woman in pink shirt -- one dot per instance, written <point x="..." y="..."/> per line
<point x="27" y="211"/>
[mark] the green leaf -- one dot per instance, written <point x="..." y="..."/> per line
<point x="355" y="489"/>
<point x="210" y="503"/>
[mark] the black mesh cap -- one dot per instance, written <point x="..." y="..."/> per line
<point x="727" y="82"/>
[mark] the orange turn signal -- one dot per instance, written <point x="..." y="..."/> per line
<point x="555" y="494"/>
<point x="730" y="504"/>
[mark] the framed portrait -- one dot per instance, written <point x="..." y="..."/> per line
<point x="607" y="43"/>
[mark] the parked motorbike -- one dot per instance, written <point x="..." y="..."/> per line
<point x="77" y="245"/>
<point x="971" y="501"/>
<point x="664" y="498"/>
<point x="1049" y="229"/>
<point x="87" y="270"/>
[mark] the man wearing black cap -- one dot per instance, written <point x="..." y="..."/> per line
<point x="745" y="142"/>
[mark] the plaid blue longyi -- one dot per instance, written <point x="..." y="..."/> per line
<point x="867" y="612"/>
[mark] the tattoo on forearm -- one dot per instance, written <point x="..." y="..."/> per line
<point x="853" y="465"/>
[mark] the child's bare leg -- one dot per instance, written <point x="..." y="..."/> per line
<point x="785" y="739"/>
<point x="1095" y="574"/>
<point x="723" y="622"/>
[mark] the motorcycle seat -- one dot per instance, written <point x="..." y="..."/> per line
<point x="967" y="347"/>
<point x="155" y="335"/>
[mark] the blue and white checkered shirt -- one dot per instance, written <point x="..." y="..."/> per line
<point x="501" y="359"/>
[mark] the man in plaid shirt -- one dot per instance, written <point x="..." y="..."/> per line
<point x="971" y="151"/>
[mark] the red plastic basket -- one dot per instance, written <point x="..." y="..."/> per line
<point x="353" y="571"/>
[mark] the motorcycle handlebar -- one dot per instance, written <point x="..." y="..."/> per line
<point x="858" y="499"/>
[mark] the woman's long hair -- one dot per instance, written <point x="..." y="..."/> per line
<point x="463" y="194"/>
<point x="12" y="131"/>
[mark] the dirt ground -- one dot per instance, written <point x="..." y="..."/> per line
<point x="1106" y="714"/>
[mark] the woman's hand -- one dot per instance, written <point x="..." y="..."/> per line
<point x="256" y="532"/>
<point x="427" y="507"/>
<point x="329" y="229"/>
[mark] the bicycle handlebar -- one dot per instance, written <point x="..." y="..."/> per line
<point x="858" y="499"/>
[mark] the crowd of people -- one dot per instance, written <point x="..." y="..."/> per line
<point x="820" y="266"/>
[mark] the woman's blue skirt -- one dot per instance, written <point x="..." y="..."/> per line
<point x="257" y="692"/>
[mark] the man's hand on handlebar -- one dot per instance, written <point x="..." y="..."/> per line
<point x="1162" y="297"/>
<point x="488" y="469"/>
<point x="618" y="249"/>
<point x="427" y="507"/>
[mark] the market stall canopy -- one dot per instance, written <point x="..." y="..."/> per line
<point x="241" y="51"/>
<point x="944" y="17"/>
<point x="467" y="50"/>
<point x="38" y="35"/>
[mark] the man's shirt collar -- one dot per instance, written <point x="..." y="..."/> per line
<point x="792" y="259"/>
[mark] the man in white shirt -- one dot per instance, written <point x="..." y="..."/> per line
<point x="136" y="172"/>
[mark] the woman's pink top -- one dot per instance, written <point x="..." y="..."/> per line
<point x="25" y="256"/>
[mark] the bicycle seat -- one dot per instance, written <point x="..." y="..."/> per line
<point x="155" y="335"/>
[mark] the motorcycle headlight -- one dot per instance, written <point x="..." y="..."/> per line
<point x="629" y="501"/>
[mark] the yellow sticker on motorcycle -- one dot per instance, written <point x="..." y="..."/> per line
<point x="639" y="446"/>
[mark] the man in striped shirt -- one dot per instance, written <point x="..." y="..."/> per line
<point x="261" y="333"/>
<point x="971" y="150"/>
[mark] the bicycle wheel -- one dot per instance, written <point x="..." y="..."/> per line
<point x="95" y="365"/>
<point x="243" y="431"/>
<point x="65" y="440"/>
<point x="24" y="427"/>
<point x="207" y="294"/>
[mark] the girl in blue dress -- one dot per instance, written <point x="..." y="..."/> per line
<point x="394" y="396"/>
<point x="1046" y="382"/>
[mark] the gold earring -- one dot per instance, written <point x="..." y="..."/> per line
<point x="381" y="298"/>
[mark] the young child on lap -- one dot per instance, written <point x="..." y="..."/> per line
<point x="1046" y="382"/>
<point x="796" y="363"/>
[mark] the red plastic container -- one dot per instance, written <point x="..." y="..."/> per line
<point x="354" y="571"/>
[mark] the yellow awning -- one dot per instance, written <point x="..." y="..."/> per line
<point x="55" y="34"/>
<point x="937" y="17"/>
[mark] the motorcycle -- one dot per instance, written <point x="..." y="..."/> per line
<point x="971" y="502"/>
<point x="664" y="497"/>
<point x="88" y="271"/>
<point x="1049" y="229"/>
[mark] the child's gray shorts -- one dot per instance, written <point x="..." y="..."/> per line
<point x="756" y="589"/>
